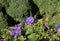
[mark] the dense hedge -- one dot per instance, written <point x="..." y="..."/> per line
<point x="44" y="15"/>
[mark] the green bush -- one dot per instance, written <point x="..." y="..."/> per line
<point x="42" y="30"/>
<point x="17" y="9"/>
<point x="3" y="22"/>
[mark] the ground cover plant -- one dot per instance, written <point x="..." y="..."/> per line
<point x="29" y="20"/>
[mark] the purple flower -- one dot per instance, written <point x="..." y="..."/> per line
<point x="29" y="20"/>
<point x="2" y="40"/>
<point x="16" y="32"/>
<point x="58" y="27"/>
<point x="18" y="25"/>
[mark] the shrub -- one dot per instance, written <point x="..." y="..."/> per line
<point x="46" y="28"/>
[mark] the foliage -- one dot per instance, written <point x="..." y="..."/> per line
<point x="17" y="9"/>
<point x="3" y="22"/>
<point x="42" y="30"/>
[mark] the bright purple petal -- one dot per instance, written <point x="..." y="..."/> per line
<point x="16" y="32"/>
<point x="29" y="20"/>
<point x="58" y="27"/>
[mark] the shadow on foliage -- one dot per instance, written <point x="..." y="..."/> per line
<point x="9" y="19"/>
<point x="34" y="9"/>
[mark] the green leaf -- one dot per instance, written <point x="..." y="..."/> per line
<point x="21" y="38"/>
<point x="29" y="31"/>
<point x="33" y="37"/>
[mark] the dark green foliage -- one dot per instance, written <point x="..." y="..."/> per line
<point x="3" y="22"/>
<point x="17" y="9"/>
<point x="47" y="6"/>
<point x="56" y="18"/>
<point x="4" y="3"/>
<point x="12" y="11"/>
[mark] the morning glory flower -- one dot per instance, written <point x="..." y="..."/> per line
<point x="58" y="27"/>
<point x="29" y="20"/>
<point x="16" y="32"/>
